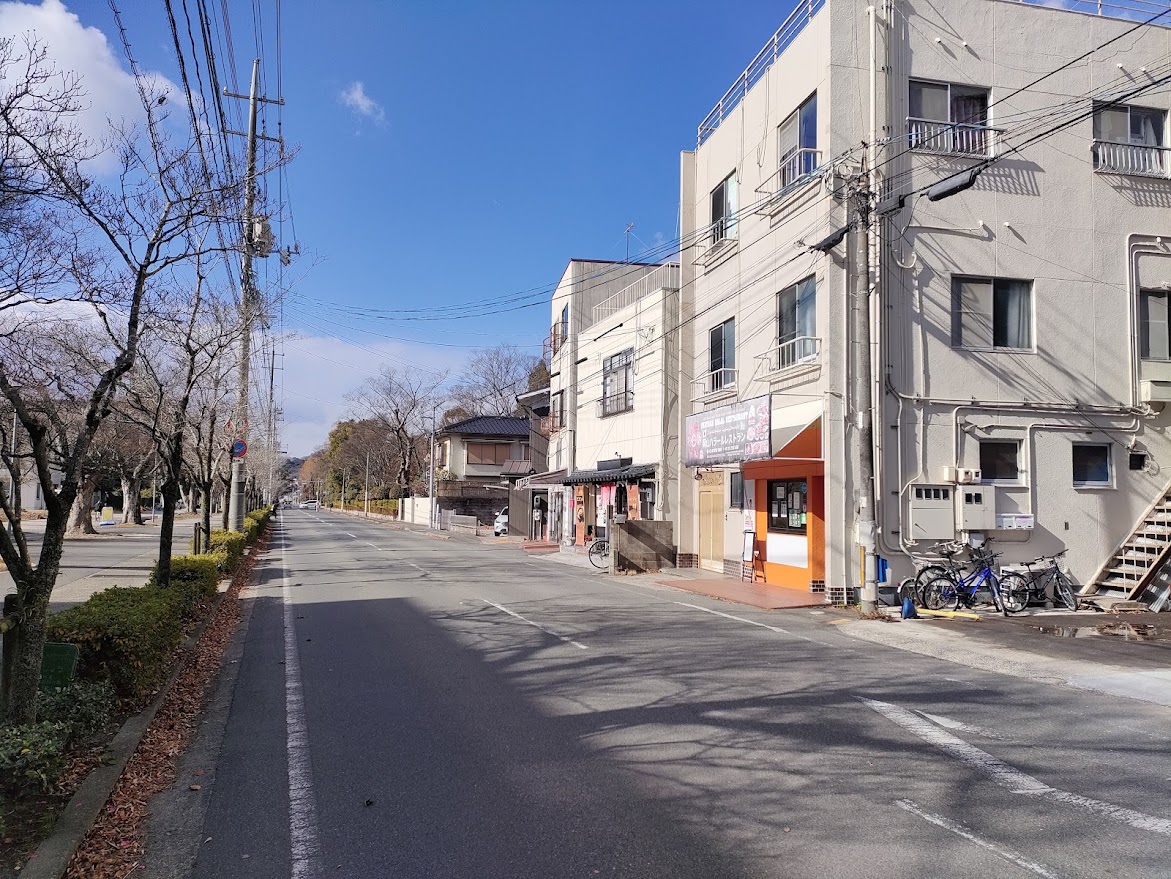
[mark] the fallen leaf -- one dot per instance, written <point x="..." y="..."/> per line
<point x="196" y="787"/>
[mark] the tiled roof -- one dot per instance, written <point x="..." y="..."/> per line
<point x="491" y="425"/>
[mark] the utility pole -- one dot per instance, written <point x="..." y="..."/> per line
<point x="431" y="478"/>
<point x="367" y="505"/>
<point x="249" y="300"/>
<point x="862" y="397"/>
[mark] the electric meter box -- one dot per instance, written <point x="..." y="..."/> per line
<point x="932" y="512"/>
<point x="975" y="508"/>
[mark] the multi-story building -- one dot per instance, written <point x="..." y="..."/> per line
<point x="474" y="460"/>
<point x="1013" y="233"/>
<point x="613" y="396"/>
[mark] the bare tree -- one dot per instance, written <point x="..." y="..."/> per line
<point x="491" y="380"/>
<point x="401" y="402"/>
<point x="97" y="284"/>
<point x="209" y="435"/>
<point x="190" y="334"/>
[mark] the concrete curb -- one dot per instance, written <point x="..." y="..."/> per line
<point x="52" y="856"/>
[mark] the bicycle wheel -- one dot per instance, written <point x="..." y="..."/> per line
<point x="1063" y="590"/>
<point x="1014" y="592"/>
<point x="925" y="575"/>
<point x="600" y="554"/>
<point x="939" y="593"/>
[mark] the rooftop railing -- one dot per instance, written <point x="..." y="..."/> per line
<point x="1133" y="10"/>
<point x="665" y="276"/>
<point x="786" y="33"/>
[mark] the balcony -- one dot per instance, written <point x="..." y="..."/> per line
<point x="615" y="404"/>
<point x="665" y="277"/>
<point x="1136" y="160"/>
<point x="801" y="351"/>
<point x="556" y="338"/>
<point x="547" y="425"/>
<point x="715" y="384"/>
<point x="797" y="169"/>
<point x="951" y="138"/>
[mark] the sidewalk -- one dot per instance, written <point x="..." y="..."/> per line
<point x="1019" y="647"/>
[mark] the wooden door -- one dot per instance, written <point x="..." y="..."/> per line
<point x="711" y="522"/>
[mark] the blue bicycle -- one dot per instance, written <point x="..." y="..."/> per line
<point x="1009" y="590"/>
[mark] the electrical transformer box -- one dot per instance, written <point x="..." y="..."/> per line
<point x="932" y="513"/>
<point x="975" y="508"/>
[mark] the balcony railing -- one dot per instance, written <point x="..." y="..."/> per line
<point x="665" y="277"/>
<point x="1138" y="160"/>
<point x="547" y="425"/>
<point x="954" y="138"/>
<point x="718" y="381"/>
<point x="616" y="403"/>
<point x="556" y="338"/>
<point x="795" y="352"/>
<point x="786" y="33"/>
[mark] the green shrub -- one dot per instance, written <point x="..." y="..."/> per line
<point x="255" y="523"/>
<point x="84" y="707"/>
<point x="195" y="577"/>
<point x="125" y="635"/>
<point x="229" y="544"/>
<point x="385" y="507"/>
<point x="32" y="756"/>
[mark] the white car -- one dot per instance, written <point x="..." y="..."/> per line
<point x="308" y="505"/>
<point x="500" y="526"/>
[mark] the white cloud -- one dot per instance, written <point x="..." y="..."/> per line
<point x="354" y="96"/>
<point x="109" y="90"/>
<point x="320" y="371"/>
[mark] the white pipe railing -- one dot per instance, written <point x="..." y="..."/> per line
<point x="665" y="277"/>
<point x="958" y="138"/>
<point x="716" y="380"/>
<point x="794" y="352"/>
<point x="1128" y="158"/>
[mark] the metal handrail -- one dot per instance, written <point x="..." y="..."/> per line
<point x="1131" y="10"/>
<point x="665" y="277"/>
<point x="615" y="404"/>
<point x="556" y="339"/>
<point x="798" y="167"/>
<point x="794" y="352"/>
<point x="958" y="138"/>
<point x="1135" y="159"/>
<point x="716" y="381"/>
<point x="785" y="34"/>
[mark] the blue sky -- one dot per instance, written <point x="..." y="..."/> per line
<point x="486" y="145"/>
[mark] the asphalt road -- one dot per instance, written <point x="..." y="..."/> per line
<point x="122" y="556"/>
<point x="401" y="706"/>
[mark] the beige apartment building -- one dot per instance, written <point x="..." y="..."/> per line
<point x="613" y="398"/>
<point x="1018" y="258"/>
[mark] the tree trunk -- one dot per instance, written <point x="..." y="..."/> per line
<point x="127" y="501"/>
<point x="224" y="509"/>
<point x="136" y="506"/>
<point x="171" y="491"/>
<point x="205" y="509"/>
<point x="81" y="516"/>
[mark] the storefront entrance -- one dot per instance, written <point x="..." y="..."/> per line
<point x="711" y="521"/>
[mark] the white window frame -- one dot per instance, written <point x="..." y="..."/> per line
<point x="1020" y="470"/>
<point x="957" y="311"/>
<point x="1110" y="471"/>
<point x="1144" y="324"/>
<point x="724" y="225"/>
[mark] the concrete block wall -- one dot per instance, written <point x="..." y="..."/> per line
<point x="645" y="545"/>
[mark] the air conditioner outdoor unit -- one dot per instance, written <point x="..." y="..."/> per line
<point x="961" y="475"/>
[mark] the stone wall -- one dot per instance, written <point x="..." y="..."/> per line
<point x="645" y="545"/>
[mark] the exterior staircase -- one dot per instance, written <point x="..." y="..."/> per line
<point x="1135" y="563"/>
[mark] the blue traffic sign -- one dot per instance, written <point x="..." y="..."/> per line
<point x="239" y="449"/>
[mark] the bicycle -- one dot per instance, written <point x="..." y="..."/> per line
<point x="600" y="553"/>
<point x="1008" y="589"/>
<point x="1037" y="582"/>
<point x="949" y="567"/>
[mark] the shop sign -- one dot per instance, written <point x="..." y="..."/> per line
<point x="730" y="434"/>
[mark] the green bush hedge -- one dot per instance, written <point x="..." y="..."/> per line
<point x="84" y="706"/>
<point x="32" y="756"/>
<point x="386" y="507"/>
<point x="125" y="635"/>
<point x="255" y="523"/>
<point x="230" y="544"/>
<point x="194" y="577"/>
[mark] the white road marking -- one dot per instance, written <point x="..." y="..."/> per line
<point x="729" y="616"/>
<point x="1006" y="776"/>
<point x="348" y="534"/>
<point x="513" y="613"/>
<point x="958" y="725"/>
<point x="302" y="806"/>
<point x="959" y="830"/>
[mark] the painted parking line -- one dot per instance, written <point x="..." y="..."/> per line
<point x="961" y="831"/>
<point x="513" y="613"/>
<point x="1009" y="777"/>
